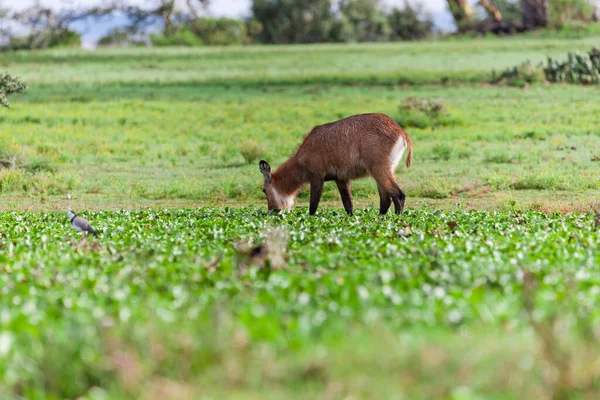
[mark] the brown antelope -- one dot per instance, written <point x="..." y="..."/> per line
<point x="351" y="148"/>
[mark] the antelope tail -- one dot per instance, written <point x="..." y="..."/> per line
<point x="409" y="154"/>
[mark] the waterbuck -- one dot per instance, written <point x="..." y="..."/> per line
<point x="351" y="148"/>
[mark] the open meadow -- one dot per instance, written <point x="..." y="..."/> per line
<point x="486" y="287"/>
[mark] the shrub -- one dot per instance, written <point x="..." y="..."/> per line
<point x="424" y="113"/>
<point x="569" y="11"/>
<point x="9" y="85"/>
<point x="44" y="39"/>
<point x="499" y="182"/>
<point x="120" y="37"/>
<point x="220" y="31"/>
<point x="182" y="38"/>
<point x="519" y="75"/>
<point x="584" y="69"/>
<point x="251" y="150"/>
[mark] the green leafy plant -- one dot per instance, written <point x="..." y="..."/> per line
<point x="9" y="85"/>
<point x="578" y="68"/>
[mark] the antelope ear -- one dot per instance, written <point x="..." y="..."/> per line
<point x="265" y="169"/>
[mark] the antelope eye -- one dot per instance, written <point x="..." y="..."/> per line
<point x="264" y="191"/>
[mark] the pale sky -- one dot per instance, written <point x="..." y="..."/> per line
<point x="219" y="7"/>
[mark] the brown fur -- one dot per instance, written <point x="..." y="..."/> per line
<point x="348" y="149"/>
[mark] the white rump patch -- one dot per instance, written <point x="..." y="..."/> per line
<point x="283" y="202"/>
<point x="397" y="152"/>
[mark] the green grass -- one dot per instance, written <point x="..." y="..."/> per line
<point x="183" y="144"/>
<point x="389" y="63"/>
<point x="485" y="288"/>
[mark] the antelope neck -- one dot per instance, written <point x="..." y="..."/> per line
<point x="288" y="178"/>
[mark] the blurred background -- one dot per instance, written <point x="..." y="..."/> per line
<point x="35" y="24"/>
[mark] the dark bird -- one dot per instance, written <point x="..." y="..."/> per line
<point x="81" y="224"/>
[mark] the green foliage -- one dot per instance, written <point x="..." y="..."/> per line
<point x="9" y="85"/>
<point x="220" y="31"/>
<point x="409" y="22"/>
<point x="209" y="32"/>
<point x="184" y="299"/>
<point x="120" y="37"/>
<point x="510" y="10"/>
<point x="366" y="20"/>
<point x="44" y="39"/>
<point x="184" y="37"/>
<point x="570" y="11"/>
<point x="578" y="68"/>
<point x="293" y="21"/>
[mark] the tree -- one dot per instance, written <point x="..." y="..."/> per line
<point x="368" y="22"/>
<point x="47" y="27"/>
<point x="461" y="12"/>
<point x="535" y="14"/>
<point x="409" y="23"/>
<point x="293" y="21"/>
<point x="491" y="10"/>
<point x="8" y="86"/>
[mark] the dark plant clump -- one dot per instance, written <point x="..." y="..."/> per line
<point x="583" y="69"/>
<point x="519" y="75"/>
<point x="424" y="113"/>
<point x="8" y="86"/>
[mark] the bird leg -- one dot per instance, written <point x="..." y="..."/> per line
<point x="83" y="242"/>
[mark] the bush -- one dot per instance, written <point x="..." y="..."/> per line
<point x="120" y="38"/>
<point x="568" y="11"/>
<point x="220" y="31"/>
<point x="424" y="113"/>
<point x="9" y="85"/>
<point x="584" y="69"/>
<point x="251" y="150"/>
<point x="519" y="75"/>
<point x="44" y="39"/>
<point x="181" y="38"/>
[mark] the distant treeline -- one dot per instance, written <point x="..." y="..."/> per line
<point x="171" y="23"/>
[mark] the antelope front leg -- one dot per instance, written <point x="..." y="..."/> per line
<point x="316" y="189"/>
<point x="384" y="200"/>
<point x="344" y="188"/>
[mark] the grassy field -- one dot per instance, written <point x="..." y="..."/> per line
<point x="486" y="288"/>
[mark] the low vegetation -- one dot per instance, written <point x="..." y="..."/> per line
<point x="232" y="302"/>
<point x="9" y="85"/>
<point x="484" y="288"/>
